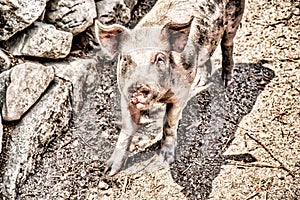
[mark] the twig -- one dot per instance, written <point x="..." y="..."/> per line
<point x="84" y="142"/>
<point x="253" y="195"/>
<point x="125" y="184"/>
<point x="285" y="19"/>
<point x="295" y="60"/>
<point x="270" y="153"/>
<point x="66" y="143"/>
<point x="187" y="168"/>
<point x="292" y="193"/>
<point x="144" y="166"/>
<point x="282" y="21"/>
<point x="239" y="164"/>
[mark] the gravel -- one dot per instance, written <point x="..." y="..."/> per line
<point x="267" y="57"/>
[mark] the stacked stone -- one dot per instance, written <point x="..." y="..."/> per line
<point x="42" y="83"/>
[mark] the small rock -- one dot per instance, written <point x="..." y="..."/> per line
<point x="75" y="143"/>
<point x="83" y="173"/>
<point x="4" y="61"/>
<point x="28" y="82"/>
<point x="95" y="158"/>
<point x="42" y="40"/>
<point x="102" y="185"/>
<point x="17" y="15"/>
<point x="71" y="15"/>
<point x="130" y="3"/>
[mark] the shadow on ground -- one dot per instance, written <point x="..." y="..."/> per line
<point x="207" y="128"/>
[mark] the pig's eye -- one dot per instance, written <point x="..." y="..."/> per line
<point x="160" y="59"/>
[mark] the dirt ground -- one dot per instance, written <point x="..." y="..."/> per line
<point x="240" y="142"/>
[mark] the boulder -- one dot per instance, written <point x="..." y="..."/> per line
<point x="71" y="15"/>
<point x="48" y="119"/>
<point x="15" y="15"/>
<point x="4" y="81"/>
<point x="28" y="82"/>
<point x="1" y="133"/>
<point x="113" y="11"/>
<point x="42" y="40"/>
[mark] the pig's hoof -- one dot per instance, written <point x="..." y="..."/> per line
<point x="167" y="155"/>
<point x="227" y="82"/>
<point x="227" y="78"/>
<point x="110" y="171"/>
<point x="113" y="172"/>
<point x="111" y="168"/>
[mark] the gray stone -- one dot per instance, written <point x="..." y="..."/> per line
<point x="113" y="11"/>
<point x="28" y="82"/>
<point x="4" y="81"/>
<point x="71" y="15"/>
<point x="1" y="133"/>
<point x="48" y="119"/>
<point x="82" y="73"/>
<point x="130" y="3"/>
<point x="42" y="40"/>
<point x="15" y="15"/>
<point x="4" y="61"/>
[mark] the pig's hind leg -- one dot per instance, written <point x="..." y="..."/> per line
<point x="234" y="13"/>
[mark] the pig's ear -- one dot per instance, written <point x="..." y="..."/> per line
<point x="177" y="35"/>
<point x="109" y="37"/>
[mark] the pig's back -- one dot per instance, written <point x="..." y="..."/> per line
<point x="181" y="12"/>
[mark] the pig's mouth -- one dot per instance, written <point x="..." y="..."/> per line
<point x="142" y="97"/>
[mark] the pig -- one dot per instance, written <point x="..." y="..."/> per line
<point x="166" y="59"/>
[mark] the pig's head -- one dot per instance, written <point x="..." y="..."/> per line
<point x="150" y="62"/>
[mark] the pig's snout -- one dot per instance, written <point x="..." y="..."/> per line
<point x="141" y="95"/>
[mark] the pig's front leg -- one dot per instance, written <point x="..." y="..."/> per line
<point x="130" y="119"/>
<point x="169" y="140"/>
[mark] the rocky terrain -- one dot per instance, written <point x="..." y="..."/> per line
<point x="61" y="112"/>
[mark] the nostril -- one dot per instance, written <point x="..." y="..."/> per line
<point x="145" y="92"/>
<point x="139" y="90"/>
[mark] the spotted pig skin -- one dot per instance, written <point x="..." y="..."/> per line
<point x="166" y="59"/>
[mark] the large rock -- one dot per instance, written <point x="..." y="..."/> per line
<point x="15" y="15"/>
<point x="4" y="81"/>
<point x="28" y="82"/>
<point x="82" y="73"/>
<point x="48" y="119"/>
<point x="1" y="133"/>
<point x="71" y="15"/>
<point x="114" y="11"/>
<point x="42" y="40"/>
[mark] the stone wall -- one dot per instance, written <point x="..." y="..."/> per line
<point x="46" y="66"/>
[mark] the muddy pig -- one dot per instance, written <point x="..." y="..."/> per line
<point x="166" y="59"/>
